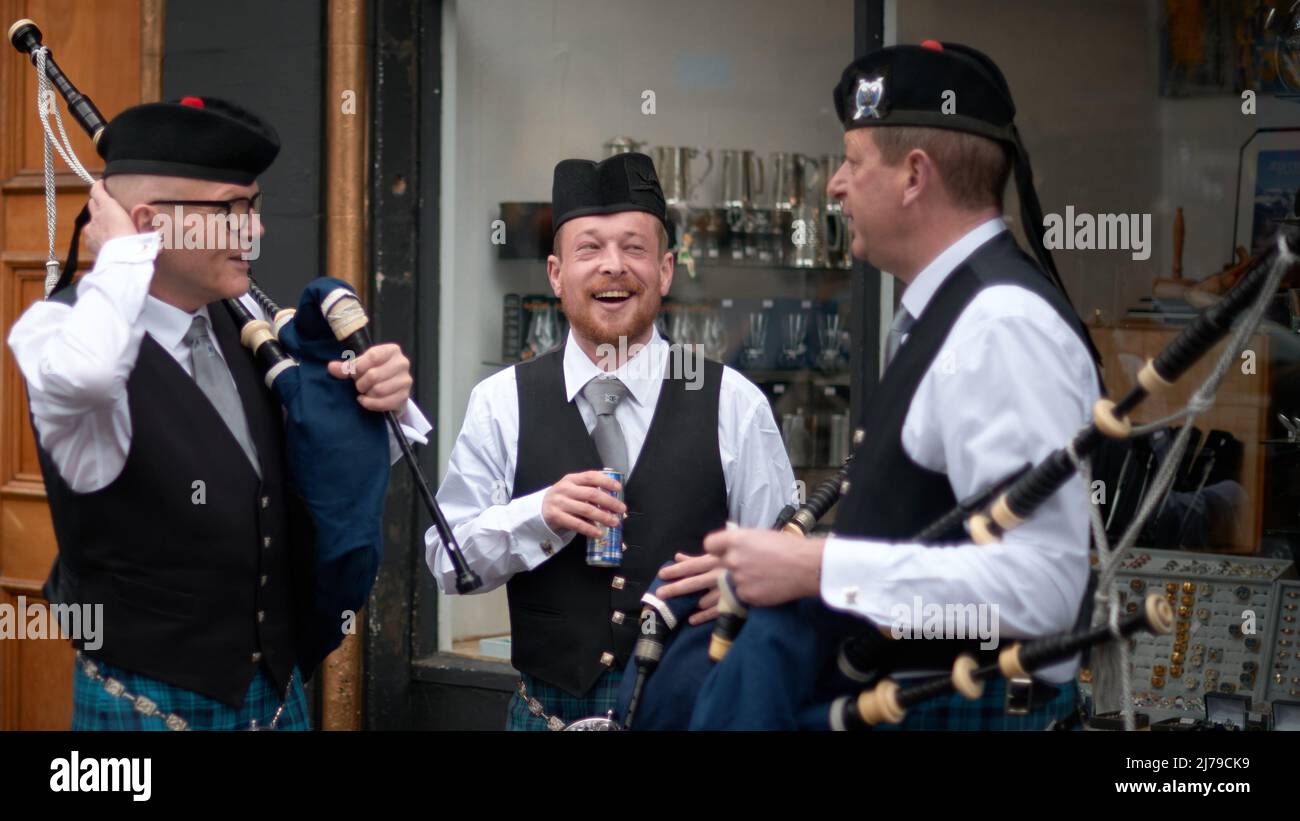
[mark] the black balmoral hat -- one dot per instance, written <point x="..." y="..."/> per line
<point x="201" y="138"/>
<point x="913" y="85"/>
<point x="623" y="182"/>
<point x="949" y="86"/>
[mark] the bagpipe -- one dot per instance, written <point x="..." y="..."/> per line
<point x="732" y="610"/>
<point x="337" y="451"/>
<point x="862" y="654"/>
<point x="800" y="522"/>
<point x="687" y="651"/>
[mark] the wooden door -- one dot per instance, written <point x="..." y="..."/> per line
<point x="111" y="50"/>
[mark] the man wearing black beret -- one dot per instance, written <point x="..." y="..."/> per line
<point x="988" y="368"/>
<point x="161" y="447"/>
<point x="525" y="490"/>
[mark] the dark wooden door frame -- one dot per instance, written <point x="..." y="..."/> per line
<point x="392" y="222"/>
<point x="396" y="107"/>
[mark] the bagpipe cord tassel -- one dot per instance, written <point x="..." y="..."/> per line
<point x="45" y="105"/>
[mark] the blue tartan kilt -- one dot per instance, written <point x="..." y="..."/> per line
<point x="953" y="712"/>
<point x="94" y="708"/>
<point x="596" y="703"/>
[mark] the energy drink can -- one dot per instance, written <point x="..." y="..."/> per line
<point x="607" y="550"/>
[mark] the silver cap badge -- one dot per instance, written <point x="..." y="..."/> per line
<point x="867" y="97"/>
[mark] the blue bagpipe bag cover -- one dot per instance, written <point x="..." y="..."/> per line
<point x="338" y="460"/>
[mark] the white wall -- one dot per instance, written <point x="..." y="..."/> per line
<point x="1201" y="138"/>
<point x="530" y="83"/>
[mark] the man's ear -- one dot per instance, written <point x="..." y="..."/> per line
<point x="666" y="267"/>
<point x="148" y="219"/>
<point x="921" y="176"/>
<point x="553" y="273"/>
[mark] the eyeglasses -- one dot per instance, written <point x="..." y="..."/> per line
<point x="239" y="206"/>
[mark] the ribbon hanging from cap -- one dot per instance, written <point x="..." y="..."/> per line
<point x="69" y="271"/>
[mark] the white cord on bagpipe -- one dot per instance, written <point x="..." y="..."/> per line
<point x="1104" y="602"/>
<point x="1111" y="661"/>
<point x="45" y="104"/>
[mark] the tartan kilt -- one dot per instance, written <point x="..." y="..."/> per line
<point x="596" y="703"/>
<point x="953" y="712"/>
<point x="94" y="708"/>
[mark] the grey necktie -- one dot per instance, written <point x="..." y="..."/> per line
<point x="213" y="378"/>
<point x="604" y="396"/>
<point x="897" y="330"/>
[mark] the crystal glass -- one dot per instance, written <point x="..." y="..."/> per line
<point x="755" y="346"/>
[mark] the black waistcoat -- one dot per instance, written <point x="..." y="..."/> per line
<point x="563" y="614"/>
<point x="194" y="595"/>
<point x="890" y="496"/>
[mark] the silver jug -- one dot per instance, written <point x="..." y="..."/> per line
<point x="843" y="255"/>
<point x="834" y="236"/>
<point x="806" y="237"/>
<point x="827" y="165"/>
<point x="742" y="178"/>
<point x="838" y="247"/>
<point x="788" y="170"/>
<point x="673" y="164"/>
<point x="813" y="179"/>
<point x="787" y="179"/>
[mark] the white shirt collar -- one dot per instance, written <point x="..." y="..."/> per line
<point x="168" y="324"/>
<point x="918" y="293"/>
<point x="641" y="373"/>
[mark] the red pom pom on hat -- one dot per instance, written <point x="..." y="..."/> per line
<point x="193" y="102"/>
<point x="933" y="45"/>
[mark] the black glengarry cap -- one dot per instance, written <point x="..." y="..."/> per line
<point x="623" y="182"/>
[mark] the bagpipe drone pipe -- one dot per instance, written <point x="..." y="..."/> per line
<point x="888" y="702"/>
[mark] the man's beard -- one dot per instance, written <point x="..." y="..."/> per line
<point x="582" y="316"/>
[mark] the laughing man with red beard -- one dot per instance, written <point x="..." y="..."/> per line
<point x="525" y="490"/>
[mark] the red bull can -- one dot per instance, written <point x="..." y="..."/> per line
<point x="607" y="550"/>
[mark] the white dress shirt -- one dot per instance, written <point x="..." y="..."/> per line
<point x="1012" y="383"/>
<point x="77" y="359"/>
<point x="500" y="536"/>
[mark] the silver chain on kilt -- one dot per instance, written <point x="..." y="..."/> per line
<point x="535" y="707"/>
<point x="149" y="708"/>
